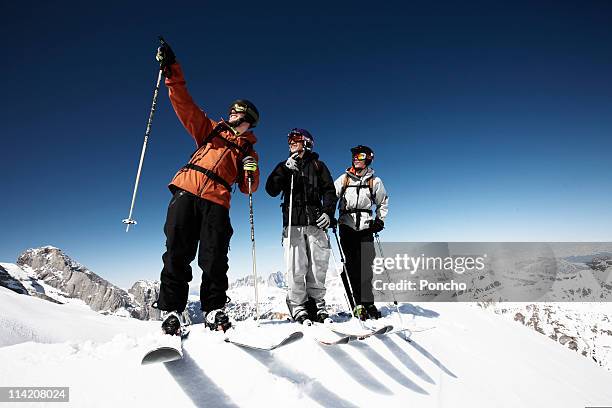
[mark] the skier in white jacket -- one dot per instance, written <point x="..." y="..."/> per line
<point x="359" y="191"/>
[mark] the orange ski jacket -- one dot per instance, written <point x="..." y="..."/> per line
<point x="217" y="163"/>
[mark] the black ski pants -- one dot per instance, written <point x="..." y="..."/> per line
<point x="359" y="253"/>
<point x="192" y="220"/>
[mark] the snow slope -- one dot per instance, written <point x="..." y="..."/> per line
<point x="26" y="318"/>
<point x="468" y="357"/>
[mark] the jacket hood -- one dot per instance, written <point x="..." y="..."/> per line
<point x="369" y="173"/>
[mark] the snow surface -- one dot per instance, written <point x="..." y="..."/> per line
<point x="467" y="357"/>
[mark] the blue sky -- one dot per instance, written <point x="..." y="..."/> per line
<point x="491" y="121"/>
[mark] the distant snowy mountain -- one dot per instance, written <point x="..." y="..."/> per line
<point x="143" y="293"/>
<point x="73" y="280"/>
<point x="276" y="280"/>
<point x="585" y="328"/>
<point x="50" y="274"/>
<point x="246" y="281"/>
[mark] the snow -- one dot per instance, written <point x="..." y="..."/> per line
<point x="27" y="318"/>
<point x="467" y="357"/>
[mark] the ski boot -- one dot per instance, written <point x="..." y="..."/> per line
<point x="302" y="318"/>
<point x="323" y="316"/>
<point x="174" y="323"/>
<point x="372" y="312"/>
<point x="311" y="309"/>
<point x="217" y="320"/>
<point x="360" y="312"/>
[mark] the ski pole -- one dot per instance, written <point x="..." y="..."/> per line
<point x="380" y="250"/>
<point x="350" y="287"/>
<point x="346" y="281"/>
<point x="344" y="284"/>
<point x="129" y="221"/>
<point x="252" y="221"/>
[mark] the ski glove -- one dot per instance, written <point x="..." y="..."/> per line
<point x="249" y="164"/>
<point x="165" y="56"/>
<point x="291" y="162"/>
<point x="323" y="221"/>
<point x="377" y="225"/>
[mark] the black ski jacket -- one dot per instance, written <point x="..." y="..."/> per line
<point x="313" y="190"/>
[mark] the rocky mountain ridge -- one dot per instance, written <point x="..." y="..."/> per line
<point x="49" y="273"/>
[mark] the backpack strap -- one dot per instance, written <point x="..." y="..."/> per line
<point x="210" y="174"/>
<point x="371" y="187"/>
<point x="216" y="132"/>
<point x="345" y="184"/>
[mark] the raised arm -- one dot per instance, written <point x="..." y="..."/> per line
<point x="195" y="121"/>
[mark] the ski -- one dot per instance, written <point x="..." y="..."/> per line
<point x="327" y="341"/>
<point x="339" y="340"/>
<point x="290" y="338"/>
<point x="171" y="350"/>
<point x="361" y="335"/>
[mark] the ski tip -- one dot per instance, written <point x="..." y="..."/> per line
<point x="162" y="355"/>
<point x="342" y="340"/>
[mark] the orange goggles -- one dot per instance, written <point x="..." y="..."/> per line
<point x="360" y="156"/>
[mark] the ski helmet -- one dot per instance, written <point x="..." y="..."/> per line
<point x="301" y="135"/>
<point x="251" y="114"/>
<point x="366" y="151"/>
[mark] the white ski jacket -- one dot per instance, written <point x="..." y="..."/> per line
<point x="357" y="196"/>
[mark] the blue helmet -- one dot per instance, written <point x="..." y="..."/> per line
<point x="301" y="135"/>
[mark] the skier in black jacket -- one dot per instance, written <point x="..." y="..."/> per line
<point x="313" y="201"/>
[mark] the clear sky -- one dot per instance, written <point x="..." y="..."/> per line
<point x="491" y="121"/>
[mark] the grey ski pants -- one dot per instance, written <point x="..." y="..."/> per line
<point x="307" y="260"/>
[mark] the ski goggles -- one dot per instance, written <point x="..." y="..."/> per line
<point x="295" y="138"/>
<point x="360" y="156"/>
<point x="238" y="109"/>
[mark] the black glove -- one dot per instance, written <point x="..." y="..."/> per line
<point x="165" y="56"/>
<point x="377" y="225"/>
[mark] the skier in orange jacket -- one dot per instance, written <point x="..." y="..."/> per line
<point x="198" y="214"/>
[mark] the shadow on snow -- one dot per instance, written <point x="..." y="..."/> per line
<point x="196" y="384"/>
